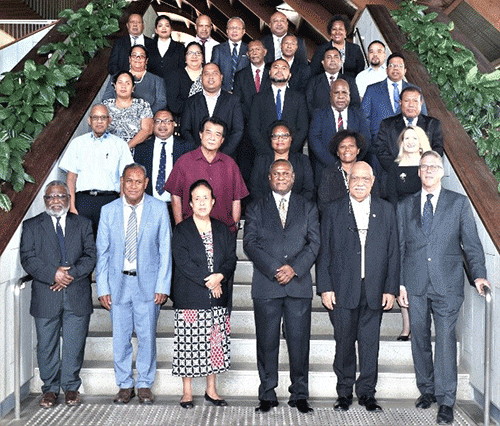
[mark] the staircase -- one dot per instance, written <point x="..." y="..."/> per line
<point x="396" y="375"/>
<point x="17" y="9"/>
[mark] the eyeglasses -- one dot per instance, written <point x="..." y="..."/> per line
<point x="431" y="167"/>
<point x="193" y="53"/>
<point x="364" y="179"/>
<point x="99" y="117"/>
<point x="61" y="197"/>
<point x="235" y="28"/>
<point x="166" y="121"/>
<point x="395" y="66"/>
<point x="138" y="57"/>
<point x="278" y="136"/>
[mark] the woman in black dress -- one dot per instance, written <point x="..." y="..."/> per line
<point x="205" y="259"/>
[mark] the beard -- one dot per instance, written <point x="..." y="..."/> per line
<point x="375" y="62"/>
<point x="52" y="212"/>
<point x="278" y="80"/>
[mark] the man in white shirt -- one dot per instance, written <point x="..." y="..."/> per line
<point x="204" y="27"/>
<point x="376" y="71"/>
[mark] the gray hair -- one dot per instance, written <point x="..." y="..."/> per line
<point x="236" y="17"/>
<point x="434" y="154"/>
<point x="134" y="166"/>
<point x="57" y="183"/>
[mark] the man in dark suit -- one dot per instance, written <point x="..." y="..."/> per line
<point x="213" y="102"/>
<point x="326" y="122"/>
<point x="231" y="56"/>
<point x="282" y="240"/>
<point x="300" y="71"/>
<point x="318" y="88"/>
<point x="58" y="251"/>
<point x="119" y="59"/>
<point x="272" y="42"/>
<point x="436" y="227"/>
<point x="358" y="278"/>
<point x="278" y="103"/>
<point x="410" y="102"/>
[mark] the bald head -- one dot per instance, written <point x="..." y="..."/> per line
<point x="203" y="26"/>
<point x="278" y="24"/>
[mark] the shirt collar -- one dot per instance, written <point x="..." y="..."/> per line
<point x="198" y="155"/>
<point x="278" y="197"/>
<point x="207" y="95"/>
<point x="140" y="203"/>
<point x="104" y="136"/>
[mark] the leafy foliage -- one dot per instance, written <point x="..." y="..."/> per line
<point x="472" y="96"/>
<point x="28" y="98"/>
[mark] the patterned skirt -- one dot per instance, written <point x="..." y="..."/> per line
<point x="201" y="342"/>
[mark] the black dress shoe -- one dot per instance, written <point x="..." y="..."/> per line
<point x="445" y="415"/>
<point x="216" y="402"/>
<point x="264" y="406"/>
<point x="343" y="403"/>
<point x="187" y="404"/>
<point x="369" y="402"/>
<point x="302" y="405"/>
<point x="425" y="400"/>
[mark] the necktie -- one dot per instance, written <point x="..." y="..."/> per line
<point x="427" y="215"/>
<point x="282" y="211"/>
<point x="60" y="238"/>
<point x="257" y="80"/>
<point x="395" y="95"/>
<point x="332" y="80"/>
<point x="160" y="180"/>
<point x="135" y="40"/>
<point x="278" y="104"/>
<point x="410" y="121"/>
<point x="340" y="123"/>
<point x="234" y="62"/>
<point x="203" y="41"/>
<point x="131" y="237"/>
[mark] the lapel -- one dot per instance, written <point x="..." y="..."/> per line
<point x="221" y="100"/>
<point x="440" y="208"/>
<point x="198" y="242"/>
<point x="268" y="93"/>
<point x="346" y="208"/>
<point x="274" y="216"/>
<point x="145" y="218"/>
<point x="287" y="105"/>
<point x="292" y="211"/>
<point x="323" y="83"/>
<point x="50" y="232"/>
<point x="70" y="233"/>
<point x="203" y="105"/>
<point x="118" y="222"/>
<point x="416" y="213"/>
<point x="373" y="221"/>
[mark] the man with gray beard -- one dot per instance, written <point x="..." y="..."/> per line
<point x="58" y="251"/>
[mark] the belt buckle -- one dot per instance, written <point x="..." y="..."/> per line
<point x="94" y="192"/>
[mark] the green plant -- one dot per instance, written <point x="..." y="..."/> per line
<point x="28" y="98"/>
<point x="472" y="96"/>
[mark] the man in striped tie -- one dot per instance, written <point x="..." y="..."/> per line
<point x="133" y="279"/>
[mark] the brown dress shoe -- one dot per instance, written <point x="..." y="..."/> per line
<point x="48" y="400"/>
<point x="145" y="396"/>
<point x="124" y="396"/>
<point x="72" y="398"/>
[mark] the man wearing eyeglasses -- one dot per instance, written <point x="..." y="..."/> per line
<point x="58" y="251"/>
<point x="358" y="279"/>
<point x="94" y="162"/>
<point x="437" y="232"/>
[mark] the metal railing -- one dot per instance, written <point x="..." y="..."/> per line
<point x="17" y="343"/>
<point x="49" y="9"/>
<point x="488" y="330"/>
<point x="19" y="28"/>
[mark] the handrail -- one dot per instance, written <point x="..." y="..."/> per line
<point x="17" y="343"/>
<point x="488" y="332"/>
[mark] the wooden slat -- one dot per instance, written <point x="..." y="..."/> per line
<point x="51" y="142"/>
<point x="475" y="176"/>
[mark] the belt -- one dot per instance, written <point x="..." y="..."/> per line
<point x="131" y="273"/>
<point x="96" y="192"/>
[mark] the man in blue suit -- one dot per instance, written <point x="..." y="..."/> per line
<point x="133" y="278"/>
<point x="436" y="229"/>
<point x="231" y="56"/>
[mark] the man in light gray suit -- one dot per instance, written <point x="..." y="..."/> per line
<point x="435" y="225"/>
<point x="133" y="278"/>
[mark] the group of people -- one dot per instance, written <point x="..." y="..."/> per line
<point x="179" y="135"/>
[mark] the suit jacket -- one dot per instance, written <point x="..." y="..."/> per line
<point x="221" y="55"/>
<point x="354" y="61"/>
<point x="339" y="261"/>
<point x="143" y="154"/>
<point x="263" y="114"/>
<point x="304" y="178"/>
<point x="270" y="246"/>
<point x="300" y="76"/>
<point x="244" y="88"/>
<point x="154" y="264"/>
<point x="178" y="86"/>
<point x="318" y="92"/>
<point x="41" y="256"/>
<point x="227" y="108"/>
<point x="438" y="256"/>
<point x="188" y="289"/>
<point x="390" y="129"/>
<point x="322" y="130"/>
<point x="377" y="105"/>
<point x="300" y="55"/>
<point x="118" y="60"/>
<point x="173" y="59"/>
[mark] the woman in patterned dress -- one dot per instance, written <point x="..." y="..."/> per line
<point x="205" y="259"/>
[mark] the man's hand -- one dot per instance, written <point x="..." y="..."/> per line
<point x="62" y="279"/>
<point x="160" y="298"/>
<point x="105" y="301"/>
<point x="403" y="297"/>
<point x="387" y="301"/>
<point x="480" y="283"/>
<point x="328" y="299"/>
<point x="284" y="274"/>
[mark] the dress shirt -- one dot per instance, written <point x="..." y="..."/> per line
<point x="211" y="102"/>
<point x="361" y="211"/>
<point x="329" y="77"/>
<point x="277" y="46"/>
<point x="261" y="69"/>
<point x="279" y="197"/>
<point x="62" y="221"/>
<point x="98" y="162"/>
<point x="282" y="94"/>
<point x="370" y="76"/>
<point x="390" y="88"/>
<point x="407" y="121"/>
<point x="434" y="199"/>
<point x="208" y="47"/>
<point x="127" y="210"/>
<point x="140" y="40"/>
<point x="238" y="46"/>
<point x="290" y="62"/>
<point x="169" y="151"/>
<point x="163" y="46"/>
<point x="344" y="117"/>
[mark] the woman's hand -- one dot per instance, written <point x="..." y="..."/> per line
<point x="213" y="282"/>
